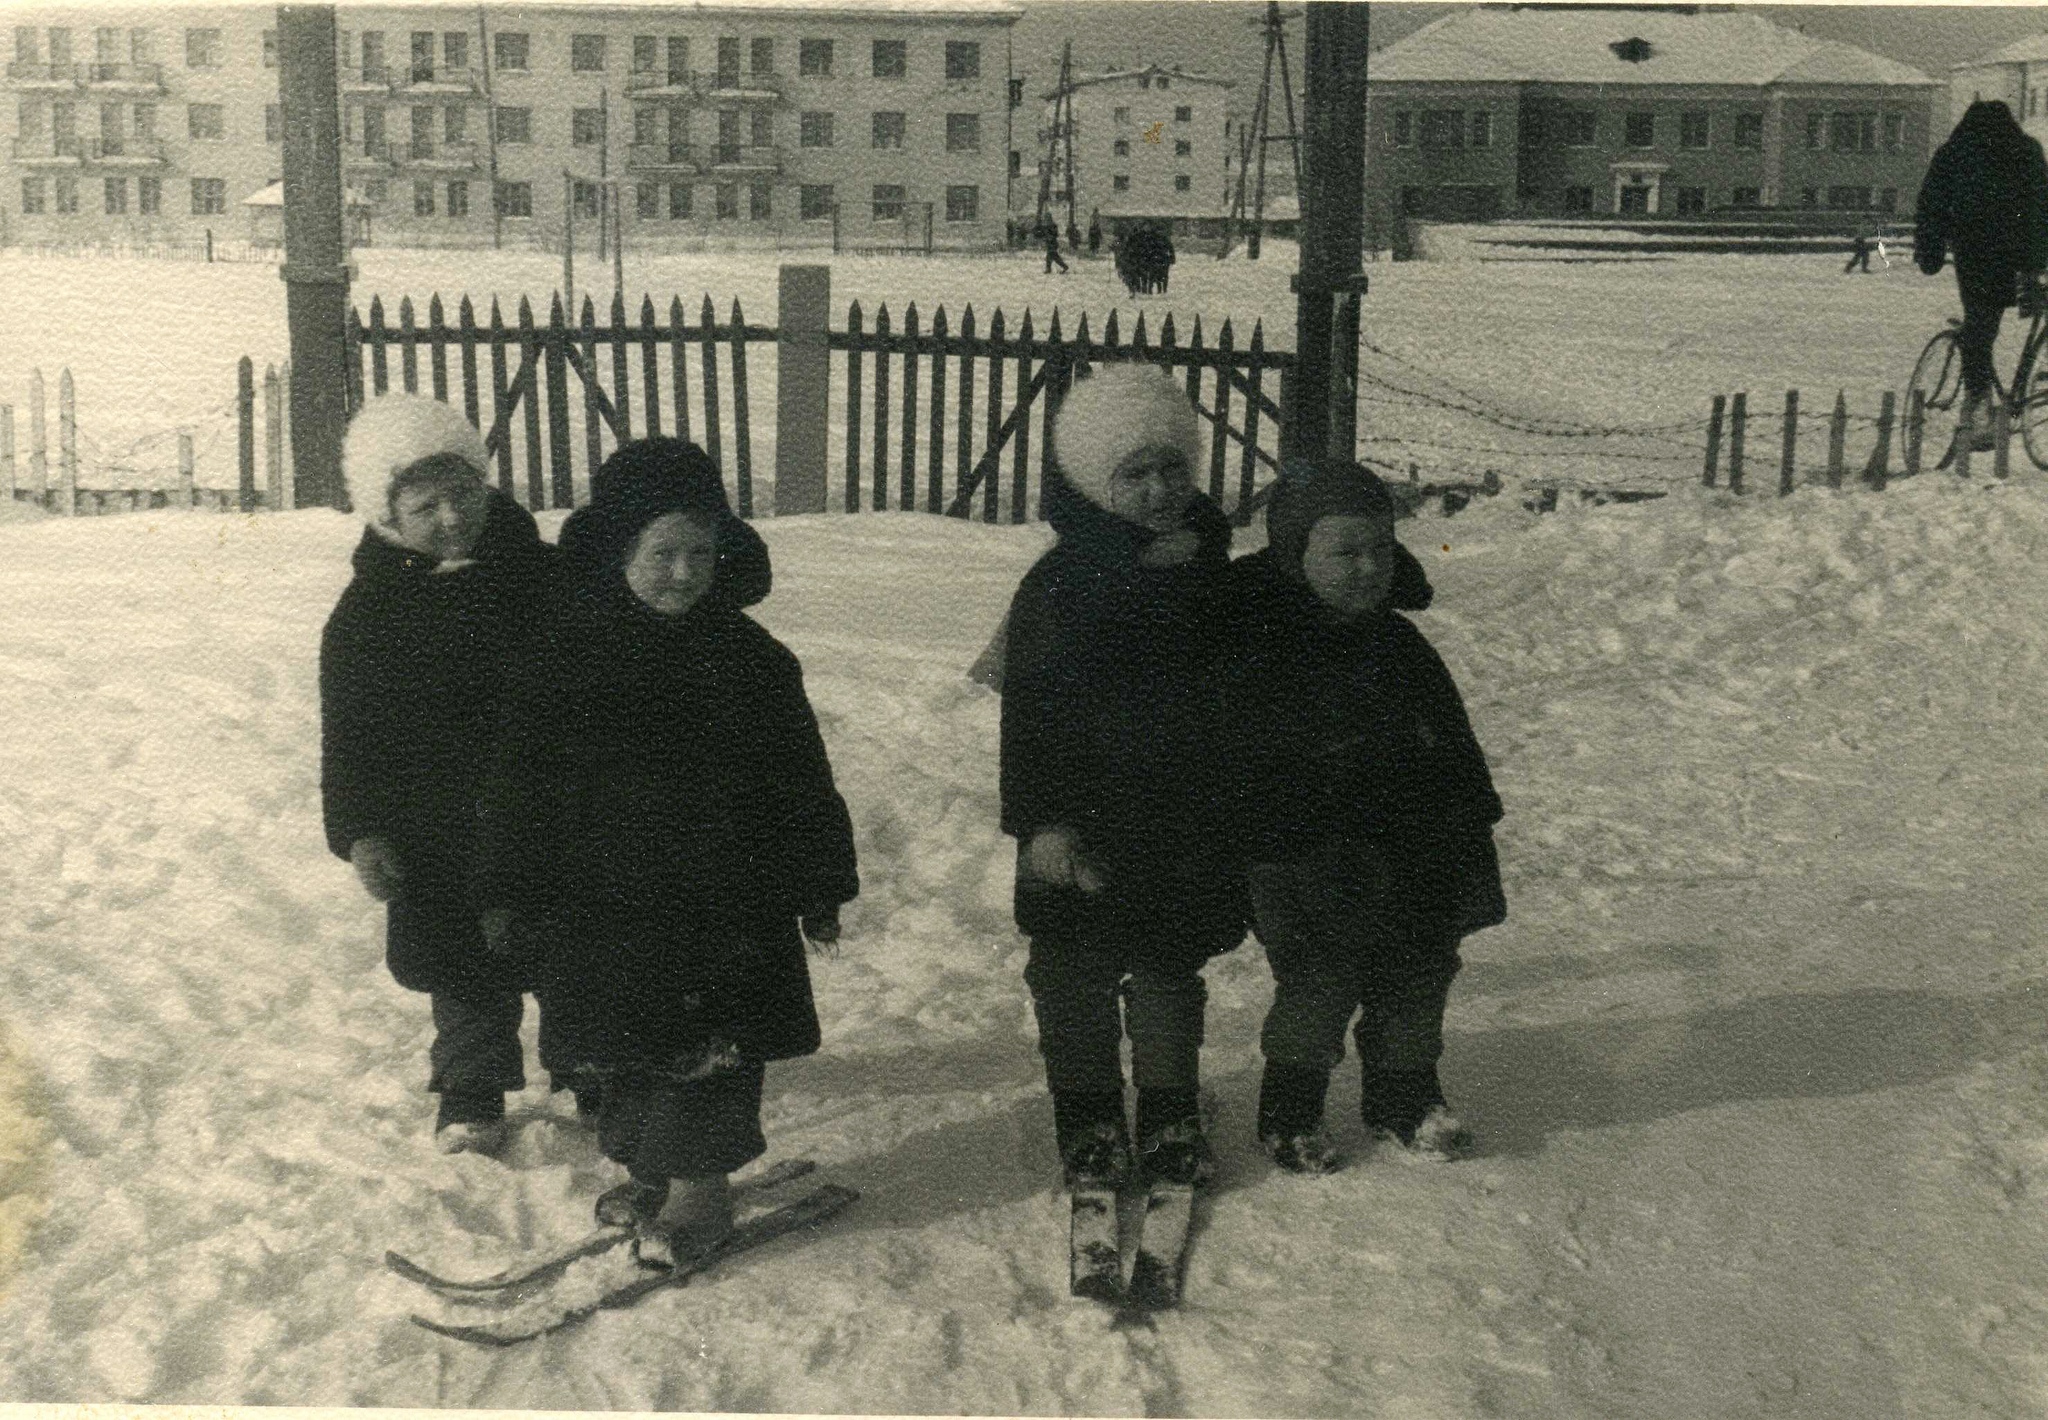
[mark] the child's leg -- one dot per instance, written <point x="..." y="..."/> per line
<point x="474" y="1060"/>
<point x="1400" y="1035"/>
<point x="1315" y="993"/>
<point x="1163" y="1009"/>
<point x="1074" y="990"/>
<point x="697" y="1133"/>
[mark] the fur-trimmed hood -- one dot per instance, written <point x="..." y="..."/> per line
<point x="1114" y="413"/>
<point x="390" y="434"/>
<point x="643" y="480"/>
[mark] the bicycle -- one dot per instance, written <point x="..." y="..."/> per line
<point x="1938" y="377"/>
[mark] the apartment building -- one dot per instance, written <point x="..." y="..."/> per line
<point x="735" y="123"/>
<point x="1647" y="112"/>
<point x="1149" y="144"/>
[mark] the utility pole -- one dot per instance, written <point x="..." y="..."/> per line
<point x="1332" y="221"/>
<point x="315" y="252"/>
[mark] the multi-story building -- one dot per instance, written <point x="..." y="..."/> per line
<point x="2016" y="74"/>
<point x="741" y="121"/>
<point x="1148" y="144"/>
<point x="1552" y="112"/>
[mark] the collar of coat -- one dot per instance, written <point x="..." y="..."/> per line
<point x="1114" y="543"/>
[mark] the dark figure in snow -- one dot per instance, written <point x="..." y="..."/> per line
<point x="1094" y="234"/>
<point x="1859" y="254"/>
<point x="1163" y="259"/>
<point x="1367" y="811"/>
<point x="1123" y="876"/>
<point x="1985" y="198"/>
<point x="451" y="582"/>
<point x="1049" y="238"/>
<point x="662" y="828"/>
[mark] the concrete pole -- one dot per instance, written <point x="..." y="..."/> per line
<point x="1332" y="214"/>
<point x="315" y="257"/>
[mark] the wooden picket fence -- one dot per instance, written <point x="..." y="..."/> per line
<point x="1728" y="428"/>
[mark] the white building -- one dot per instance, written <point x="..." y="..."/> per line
<point x="1148" y="143"/>
<point x="2017" y="74"/>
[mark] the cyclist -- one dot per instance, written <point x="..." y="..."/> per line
<point x="1985" y="198"/>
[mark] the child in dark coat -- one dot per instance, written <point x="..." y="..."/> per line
<point x="662" y="828"/>
<point x="1123" y="878"/>
<point x="1368" y="811"/>
<point x="451" y="582"/>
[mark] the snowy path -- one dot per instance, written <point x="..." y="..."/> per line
<point x="1759" y="1060"/>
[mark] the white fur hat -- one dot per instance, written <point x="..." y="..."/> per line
<point x="1115" y="413"/>
<point x="391" y="433"/>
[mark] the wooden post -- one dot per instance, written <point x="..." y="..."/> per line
<point x="315" y="267"/>
<point x="1787" y="468"/>
<point x="1714" y="440"/>
<point x="530" y="351"/>
<point x="1020" y="442"/>
<point x="679" y="364"/>
<point x="289" y="471"/>
<point x="437" y="348"/>
<point x="742" y="426"/>
<point x="714" y="426"/>
<point x="963" y="427"/>
<point x="1247" y="469"/>
<point x="408" y="348"/>
<point x="1963" y="451"/>
<point x="801" y="388"/>
<point x="188" y="494"/>
<point x="1838" y="433"/>
<point x="622" y="383"/>
<point x="38" y="442"/>
<point x="991" y="489"/>
<point x="1738" y="426"/>
<point x="650" y="366"/>
<point x="67" y="442"/>
<point x="1916" y="420"/>
<point x="1878" y="471"/>
<point x="561" y="455"/>
<point x="935" y="476"/>
<point x="7" y="452"/>
<point x="880" y="501"/>
<point x="906" y="498"/>
<point x="245" y="432"/>
<point x="853" y="364"/>
<point x="273" y="442"/>
<point x="2001" y="439"/>
<point x="593" y="422"/>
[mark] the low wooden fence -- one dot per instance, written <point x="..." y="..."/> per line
<point x="1728" y="436"/>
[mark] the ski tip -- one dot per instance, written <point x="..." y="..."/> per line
<point x="473" y="1335"/>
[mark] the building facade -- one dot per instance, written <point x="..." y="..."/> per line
<point x="1535" y="112"/>
<point x="2016" y="75"/>
<point x="736" y="123"/>
<point x="1148" y="144"/>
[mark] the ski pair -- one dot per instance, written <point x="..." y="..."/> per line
<point x="518" y="1281"/>
<point x="1095" y="1261"/>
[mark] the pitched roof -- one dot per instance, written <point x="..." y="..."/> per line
<point x="1589" y="46"/>
<point x="1082" y="81"/>
<point x="2023" y="51"/>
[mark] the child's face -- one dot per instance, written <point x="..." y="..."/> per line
<point x="1349" y="564"/>
<point x="440" y="517"/>
<point x="672" y="563"/>
<point x="1151" y="488"/>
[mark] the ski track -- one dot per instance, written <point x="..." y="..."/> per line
<point x="1757" y="1060"/>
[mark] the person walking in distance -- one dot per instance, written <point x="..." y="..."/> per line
<point x="1049" y="235"/>
<point x="451" y="583"/>
<point x="1984" y="200"/>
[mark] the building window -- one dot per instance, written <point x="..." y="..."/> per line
<point x="30" y="123"/>
<point x="65" y="189"/>
<point x="1895" y="126"/>
<point x="763" y="128"/>
<point x="1692" y="130"/>
<point x="888" y="202"/>
<point x="1849" y="199"/>
<point x="678" y="59"/>
<point x="963" y="133"/>
<point x="273" y="123"/>
<point x="455" y="124"/>
<point x="1579" y="128"/>
<point x="586" y="127"/>
<point x="209" y="197"/>
<point x="891" y="59"/>
<point x="1121" y="114"/>
<point x="27" y="50"/>
<point x="963" y="204"/>
<point x="1749" y="131"/>
<point x="759" y="203"/>
<point x="60" y="49"/>
<point x="1185" y="113"/>
<point x="586" y="199"/>
<point x="32" y="190"/>
<point x="1578" y="199"/>
<point x="515" y="199"/>
<point x="1809" y="197"/>
<point x="1816" y="129"/>
<point x="1692" y="201"/>
<point x="814" y="201"/>
<point x="679" y="201"/>
<point x="1182" y="148"/>
<point x="1121" y="148"/>
<point x="1641" y="131"/>
<point x="270" y="49"/>
<point x="202" y="49"/>
<point x="586" y="54"/>
<point x="888" y="130"/>
<point x="1120" y="182"/>
<point x="1164" y="83"/>
<point x="1183" y="183"/>
<point x="455" y="49"/>
<point x="1852" y="132"/>
<point x="1016" y="93"/>
<point x="515" y="125"/>
<point x="1403" y="134"/>
<point x="1016" y="163"/>
<point x="814" y="58"/>
<point x="144" y="118"/>
<point x="423" y="56"/>
<point x="1746" y="197"/>
<point x="149" y="196"/>
<point x="422" y="199"/>
<point x="646" y="125"/>
<point x="204" y="121"/>
<point x="814" y="130"/>
<point x="1482" y="130"/>
<point x="647" y="201"/>
<point x="1443" y="128"/>
<point x="115" y="192"/>
<point x="509" y="51"/>
<point x="458" y="198"/>
<point x="963" y="59"/>
<point x="646" y="53"/>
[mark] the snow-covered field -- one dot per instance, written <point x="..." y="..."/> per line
<point x="1758" y="1062"/>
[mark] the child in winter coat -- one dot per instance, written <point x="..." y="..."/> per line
<point x="1123" y="880"/>
<point x="661" y="821"/>
<point x="1368" y="812"/>
<point x="451" y="581"/>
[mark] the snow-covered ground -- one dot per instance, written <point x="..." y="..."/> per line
<point x="1758" y="1061"/>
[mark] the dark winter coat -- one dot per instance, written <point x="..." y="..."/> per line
<point x="1354" y="739"/>
<point x="661" y="815"/>
<point x="1108" y="728"/>
<point x="1985" y="198"/>
<point x="413" y="666"/>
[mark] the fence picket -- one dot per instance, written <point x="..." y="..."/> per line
<point x="593" y="422"/>
<point x="742" y="429"/>
<point x="465" y="316"/>
<point x="1877" y="473"/>
<point x="500" y="410"/>
<point x="713" y="434"/>
<point x="622" y="386"/>
<point x="1714" y="440"/>
<point x="650" y="367"/>
<point x="531" y="361"/>
<point x="1020" y="467"/>
<point x="991" y="495"/>
<point x="561" y="460"/>
<point x="1738" y="428"/>
<point x="38" y="440"/>
<point x="188" y="493"/>
<point x="853" y="364"/>
<point x="1049" y="401"/>
<point x="881" y="489"/>
<point x="408" y="349"/>
<point x="1082" y="346"/>
<point x="273" y="441"/>
<point x="437" y="348"/>
<point x="380" y="369"/>
<point x="907" y="498"/>
<point x="935" y="492"/>
<point x="1247" y="472"/>
<point x="1219" y="448"/>
<point x="7" y="452"/>
<point x="2001" y="439"/>
<point x="1194" y="367"/>
<point x="1138" y="341"/>
<point x="352" y="361"/>
<point x="1916" y="425"/>
<point x="1109" y="332"/>
<point x="1787" y="469"/>
<point x="1166" y="335"/>
<point x="245" y="439"/>
<point x="1838" y="434"/>
<point x="963" y="429"/>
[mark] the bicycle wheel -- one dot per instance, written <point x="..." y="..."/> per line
<point x="1938" y="377"/>
<point x="2032" y="402"/>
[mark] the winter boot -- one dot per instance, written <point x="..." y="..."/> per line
<point x="1291" y="1119"/>
<point x="471" y="1124"/>
<point x="1171" y="1147"/>
<point x="630" y="1203"/>
<point x="1095" y="1147"/>
<point x="1408" y="1110"/>
<point x="698" y="1217"/>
